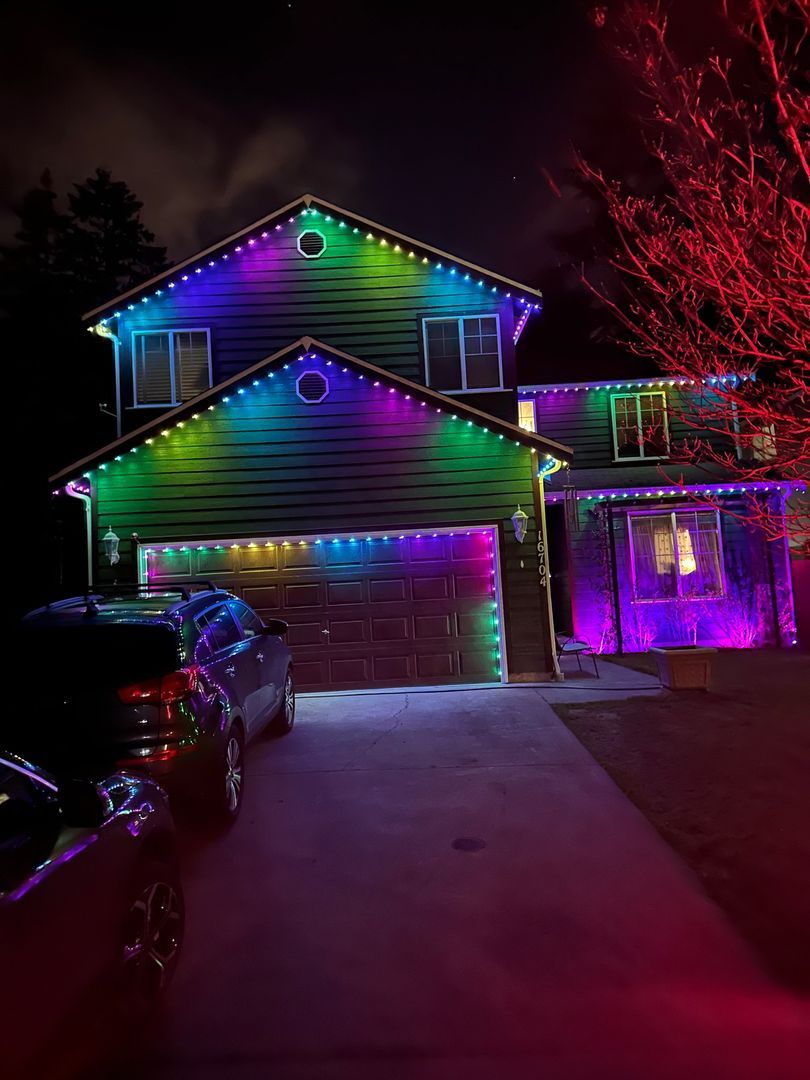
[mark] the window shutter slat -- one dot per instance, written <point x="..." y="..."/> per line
<point x="153" y="378"/>
<point x="191" y="360"/>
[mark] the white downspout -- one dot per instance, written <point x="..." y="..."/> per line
<point x="557" y="674"/>
<point x="100" y="330"/>
<point x="88" y="527"/>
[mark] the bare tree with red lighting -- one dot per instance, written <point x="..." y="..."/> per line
<point x="714" y="269"/>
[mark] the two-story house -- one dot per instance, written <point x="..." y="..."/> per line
<point x="640" y="553"/>
<point x="320" y="414"/>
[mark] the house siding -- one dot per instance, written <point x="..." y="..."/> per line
<point x="583" y="420"/>
<point x="266" y="464"/>
<point x="363" y="298"/>
<point x="756" y="609"/>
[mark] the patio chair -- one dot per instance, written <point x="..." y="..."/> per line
<point x="571" y="645"/>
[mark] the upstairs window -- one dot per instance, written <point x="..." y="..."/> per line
<point x="171" y="366"/>
<point x="463" y="353"/>
<point x="676" y="555"/>
<point x="640" y="428"/>
<point x="526" y="415"/>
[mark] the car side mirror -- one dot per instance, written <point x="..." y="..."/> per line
<point x="81" y="804"/>
<point x="276" y="627"/>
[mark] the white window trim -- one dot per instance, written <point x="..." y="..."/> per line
<point x="464" y="389"/>
<point x="641" y="456"/>
<point x="673" y="516"/>
<point x="172" y="369"/>
<point x="533" y="404"/>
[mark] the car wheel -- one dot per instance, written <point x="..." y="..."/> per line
<point x="152" y="936"/>
<point x="230" y="781"/>
<point x="282" y="722"/>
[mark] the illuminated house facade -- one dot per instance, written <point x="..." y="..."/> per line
<point x="639" y="555"/>
<point x="321" y="414"/>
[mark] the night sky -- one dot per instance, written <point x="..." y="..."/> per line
<point x="444" y="121"/>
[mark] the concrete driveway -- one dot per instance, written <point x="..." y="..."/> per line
<point x="446" y="885"/>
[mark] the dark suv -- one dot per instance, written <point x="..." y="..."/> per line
<point x="157" y="679"/>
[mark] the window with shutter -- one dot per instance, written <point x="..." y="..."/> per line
<point x="153" y="369"/>
<point x="170" y="366"/>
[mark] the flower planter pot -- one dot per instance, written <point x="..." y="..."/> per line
<point x="686" y="668"/>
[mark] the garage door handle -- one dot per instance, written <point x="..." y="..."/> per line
<point x="325" y="632"/>
<point x="230" y="670"/>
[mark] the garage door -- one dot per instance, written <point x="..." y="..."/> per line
<point x="371" y="611"/>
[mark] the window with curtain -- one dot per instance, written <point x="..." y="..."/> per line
<point x="676" y="554"/>
<point x="640" y="425"/>
<point x="463" y="353"/>
<point x="526" y="415"/>
<point x="170" y="366"/>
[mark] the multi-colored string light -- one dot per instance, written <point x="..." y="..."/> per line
<point x="550" y="462"/>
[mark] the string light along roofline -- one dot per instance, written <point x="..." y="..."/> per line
<point x="305" y="540"/>
<point x="246" y="239"/>
<point x="305" y="349"/>
<point x="668" y="491"/>
<point x="632" y="384"/>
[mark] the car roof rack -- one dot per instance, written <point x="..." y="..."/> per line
<point x="182" y="589"/>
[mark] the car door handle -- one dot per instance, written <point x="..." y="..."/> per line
<point x="260" y="657"/>
<point x="230" y="670"/>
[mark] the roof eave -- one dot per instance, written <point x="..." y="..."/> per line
<point x="307" y="201"/>
<point x="308" y="344"/>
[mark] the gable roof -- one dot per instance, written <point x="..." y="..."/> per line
<point x="239" y="382"/>
<point x="289" y="211"/>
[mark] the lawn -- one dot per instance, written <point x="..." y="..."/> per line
<point x="725" y="778"/>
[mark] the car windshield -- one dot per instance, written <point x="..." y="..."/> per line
<point x="105" y="654"/>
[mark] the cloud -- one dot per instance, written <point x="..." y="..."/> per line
<point x="200" y="168"/>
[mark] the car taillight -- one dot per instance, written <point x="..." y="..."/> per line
<point x="163" y="691"/>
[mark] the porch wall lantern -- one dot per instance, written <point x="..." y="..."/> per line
<point x="111" y="542"/>
<point x="520" y="520"/>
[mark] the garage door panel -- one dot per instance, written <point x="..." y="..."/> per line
<point x="312" y="673"/>
<point x="387" y="553"/>
<point x="390" y="591"/>
<point x="171" y="565"/>
<point x="393" y="629"/>
<point x="430" y="588"/>
<point x="259" y="558"/>
<point x="432" y="626"/>
<point x="477" y="585"/>
<point x="475" y="663"/>
<point x="347" y="631"/>
<point x="428" y="549"/>
<point x="467" y="547"/>
<point x="213" y="562"/>
<point x="353" y="670"/>
<point x="435" y="665"/>
<point x="344" y="592"/>
<point x="474" y="624"/>
<point x="344" y="554"/>
<point x="297" y="555"/>
<point x="393" y="669"/>
<point x="303" y="595"/>
<point x="265" y="598"/>
<point x="305" y="633"/>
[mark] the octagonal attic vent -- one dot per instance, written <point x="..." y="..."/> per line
<point x="312" y="244"/>
<point x="312" y="387"/>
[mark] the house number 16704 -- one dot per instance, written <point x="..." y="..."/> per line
<point x="541" y="562"/>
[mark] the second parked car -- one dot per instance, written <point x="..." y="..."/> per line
<point x="163" y="680"/>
